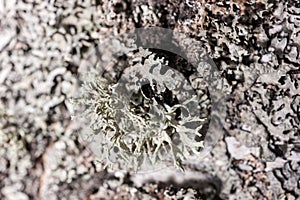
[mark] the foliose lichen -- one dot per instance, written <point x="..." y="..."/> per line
<point x="148" y="115"/>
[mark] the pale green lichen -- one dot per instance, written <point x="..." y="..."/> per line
<point x="137" y="128"/>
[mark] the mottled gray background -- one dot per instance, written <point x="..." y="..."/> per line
<point x="44" y="44"/>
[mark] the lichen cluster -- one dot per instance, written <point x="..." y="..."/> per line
<point x="149" y="116"/>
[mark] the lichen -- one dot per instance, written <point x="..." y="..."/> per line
<point x="149" y="115"/>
